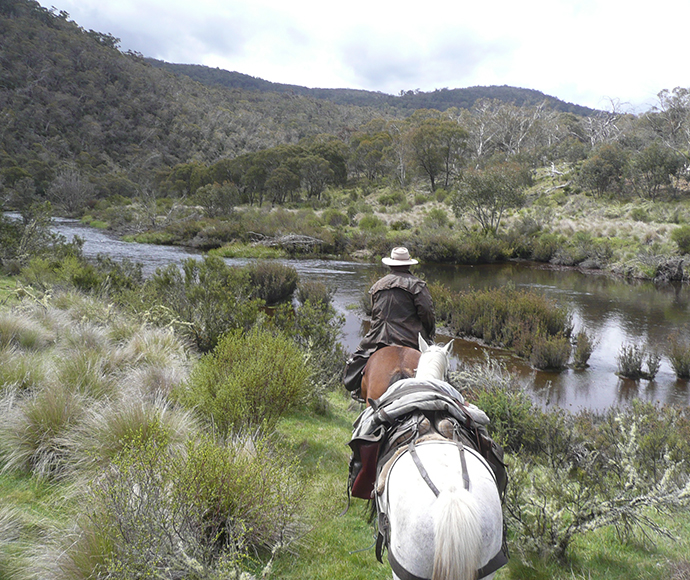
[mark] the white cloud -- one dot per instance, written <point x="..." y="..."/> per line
<point x="582" y="51"/>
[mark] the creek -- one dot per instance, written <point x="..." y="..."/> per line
<point x="615" y="312"/>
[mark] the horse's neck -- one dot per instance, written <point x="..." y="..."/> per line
<point x="432" y="365"/>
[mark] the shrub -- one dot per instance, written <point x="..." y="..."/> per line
<point x="678" y="352"/>
<point x="314" y="291"/>
<point x="584" y="345"/>
<point x="515" y="420"/>
<point x="249" y="380"/>
<point x="631" y="357"/>
<point x="391" y="199"/>
<point x="436" y="218"/>
<point x="272" y="282"/>
<point x="401" y="225"/>
<point x="509" y="318"/>
<point x="316" y="329"/>
<point x="205" y="300"/>
<point x="550" y="353"/>
<point x="195" y="514"/>
<point x="593" y="471"/>
<point x="333" y="217"/>
<point x="443" y="298"/>
<point x="370" y="223"/>
<point x="681" y="236"/>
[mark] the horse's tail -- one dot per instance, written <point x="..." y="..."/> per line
<point x="458" y="536"/>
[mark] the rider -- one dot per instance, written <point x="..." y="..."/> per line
<point x="402" y="308"/>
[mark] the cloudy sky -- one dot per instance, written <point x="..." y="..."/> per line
<point x="588" y="52"/>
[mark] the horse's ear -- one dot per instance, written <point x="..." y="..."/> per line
<point x="449" y="347"/>
<point x="423" y="346"/>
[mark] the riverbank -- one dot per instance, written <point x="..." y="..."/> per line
<point x="631" y="239"/>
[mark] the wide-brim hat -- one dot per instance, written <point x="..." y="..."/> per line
<point x="399" y="257"/>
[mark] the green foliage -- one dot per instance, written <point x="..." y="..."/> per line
<point x="584" y="345"/>
<point x="272" y="282"/>
<point x="486" y="194"/>
<point x="318" y="293"/>
<point x="631" y="358"/>
<point x="205" y="300"/>
<point x="515" y="422"/>
<point x="250" y="380"/>
<point x="197" y="514"/>
<point x="593" y="472"/>
<point x="550" y="353"/>
<point x="238" y="250"/>
<point x="678" y="352"/>
<point x="604" y="169"/>
<point x="316" y="329"/>
<point x="372" y="224"/>
<point x="681" y="236"/>
<point x="510" y="318"/>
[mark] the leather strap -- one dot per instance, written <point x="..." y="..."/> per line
<point x="422" y="470"/>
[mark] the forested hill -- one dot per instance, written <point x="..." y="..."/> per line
<point x="70" y="96"/>
<point x="440" y="99"/>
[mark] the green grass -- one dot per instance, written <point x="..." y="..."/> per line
<point x="325" y="553"/>
<point x="237" y="250"/>
<point x="7" y="286"/>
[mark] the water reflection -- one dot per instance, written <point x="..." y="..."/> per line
<point x="614" y="312"/>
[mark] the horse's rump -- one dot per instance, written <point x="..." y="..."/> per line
<point x="452" y="535"/>
<point x="386" y="366"/>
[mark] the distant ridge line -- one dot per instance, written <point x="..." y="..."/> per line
<point x="440" y="99"/>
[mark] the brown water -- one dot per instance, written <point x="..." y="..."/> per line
<point x="615" y="312"/>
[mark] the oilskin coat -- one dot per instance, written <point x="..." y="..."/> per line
<point x="402" y="308"/>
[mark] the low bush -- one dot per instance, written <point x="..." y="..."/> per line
<point x="316" y="329"/>
<point x="249" y="380"/>
<point x="515" y="421"/>
<point x="318" y="293"/>
<point x="681" y="236"/>
<point x="678" y="352"/>
<point x="272" y="282"/>
<point x="631" y="358"/>
<point x="508" y="318"/>
<point x="584" y="345"/>
<point x="193" y="514"/>
<point x="596" y="471"/>
<point x="202" y="301"/>
<point x="550" y="353"/>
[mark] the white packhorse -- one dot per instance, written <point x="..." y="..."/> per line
<point x="451" y="532"/>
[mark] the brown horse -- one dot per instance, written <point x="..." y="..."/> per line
<point x="386" y="366"/>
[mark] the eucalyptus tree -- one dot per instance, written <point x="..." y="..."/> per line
<point x="438" y="147"/>
<point x="485" y="194"/>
